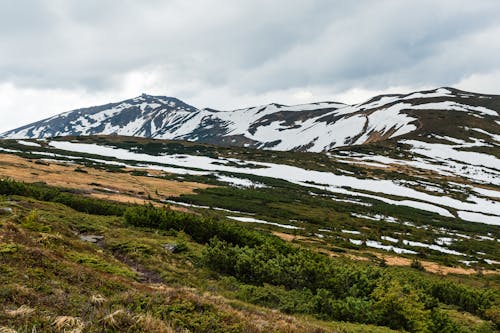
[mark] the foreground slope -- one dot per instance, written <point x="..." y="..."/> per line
<point x="101" y="266"/>
<point x="311" y="127"/>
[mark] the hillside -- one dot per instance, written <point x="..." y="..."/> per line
<point x="241" y="240"/>
<point x="314" y="127"/>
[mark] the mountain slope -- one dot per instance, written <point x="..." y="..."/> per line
<point x="308" y="127"/>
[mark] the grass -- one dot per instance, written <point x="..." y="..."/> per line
<point x="54" y="281"/>
<point x="281" y="201"/>
<point x="73" y="283"/>
<point x="130" y="281"/>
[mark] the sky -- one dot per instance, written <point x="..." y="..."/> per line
<point x="59" y="55"/>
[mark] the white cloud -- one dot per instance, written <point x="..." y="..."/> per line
<point x="58" y="55"/>
<point x="20" y="106"/>
<point x="487" y="83"/>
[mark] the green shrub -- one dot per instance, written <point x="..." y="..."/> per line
<point x="32" y="222"/>
<point x="417" y="265"/>
<point x="44" y="192"/>
<point x="200" y="229"/>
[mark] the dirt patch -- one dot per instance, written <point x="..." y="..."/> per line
<point x="378" y="136"/>
<point x="431" y="266"/>
<point x="289" y="237"/>
<point x="355" y="257"/>
<point x="348" y="255"/>
<point x="122" y="187"/>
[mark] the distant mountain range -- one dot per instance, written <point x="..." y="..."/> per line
<point x="312" y="127"/>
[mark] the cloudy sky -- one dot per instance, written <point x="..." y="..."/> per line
<point x="57" y="55"/>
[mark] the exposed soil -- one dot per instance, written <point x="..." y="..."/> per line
<point x="122" y="187"/>
<point x="431" y="266"/>
<point x="289" y="237"/>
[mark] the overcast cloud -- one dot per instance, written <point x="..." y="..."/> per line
<point x="57" y="55"/>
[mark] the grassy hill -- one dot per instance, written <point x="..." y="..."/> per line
<point x="91" y="243"/>
<point x="154" y="269"/>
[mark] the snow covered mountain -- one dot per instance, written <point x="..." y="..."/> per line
<point x="308" y="127"/>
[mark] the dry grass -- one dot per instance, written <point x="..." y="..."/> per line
<point x="116" y="319"/>
<point x="148" y="323"/>
<point x="4" y="329"/>
<point x="256" y="319"/>
<point x="23" y="310"/>
<point x="431" y="267"/>
<point x="123" y="187"/>
<point x="378" y="136"/>
<point x="289" y="237"/>
<point x="68" y="324"/>
<point x="97" y="299"/>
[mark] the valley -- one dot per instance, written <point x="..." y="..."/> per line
<point x="349" y="213"/>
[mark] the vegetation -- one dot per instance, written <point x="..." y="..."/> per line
<point x="301" y="281"/>
<point x="43" y="192"/>
<point x="52" y="281"/>
<point x="69" y="262"/>
<point x="106" y="285"/>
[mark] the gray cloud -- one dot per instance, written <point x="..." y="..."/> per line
<point x="243" y="49"/>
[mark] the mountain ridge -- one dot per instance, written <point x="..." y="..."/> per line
<point x="315" y="127"/>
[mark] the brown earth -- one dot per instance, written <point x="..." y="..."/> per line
<point x="432" y="266"/>
<point x="289" y="237"/>
<point x="122" y="186"/>
<point x="378" y="136"/>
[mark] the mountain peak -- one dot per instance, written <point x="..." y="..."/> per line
<point x="319" y="126"/>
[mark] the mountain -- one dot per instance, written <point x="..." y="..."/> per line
<point x="315" y="127"/>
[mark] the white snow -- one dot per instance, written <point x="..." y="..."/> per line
<point x="444" y="241"/>
<point x="432" y="247"/>
<point x="453" y="106"/>
<point x="252" y="220"/>
<point x="486" y="238"/>
<point x="204" y="207"/>
<point x="486" y="192"/>
<point x="354" y="232"/>
<point x="9" y="150"/>
<point x="446" y="160"/>
<point x="468" y="262"/>
<point x="441" y="92"/>
<point x="28" y="143"/>
<point x="381" y="121"/>
<point x="441" y="151"/>
<point x="478" y="217"/>
<point x="390" y="239"/>
<point x="356" y="241"/>
<point x="373" y="218"/>
<point x="356" y="202"/>
<point x="378" y="245"/>
<point x="329" y="181"/>
<point x="240" y="182"/>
